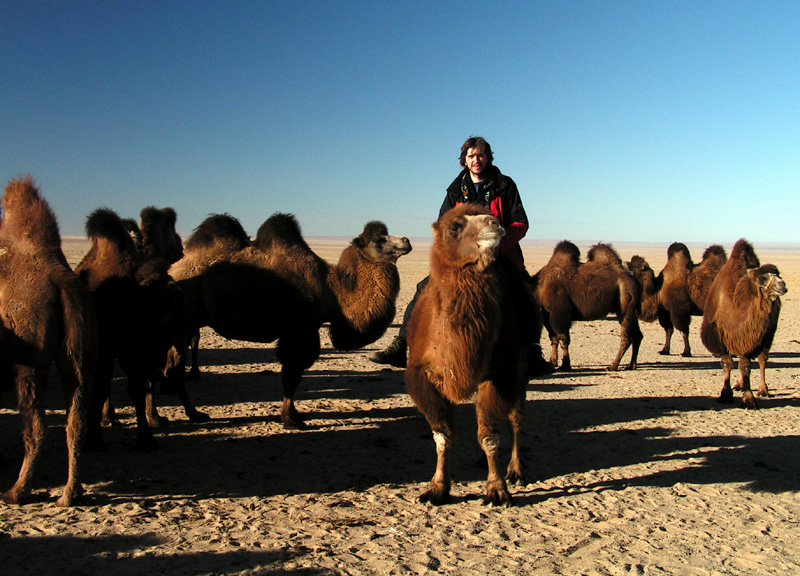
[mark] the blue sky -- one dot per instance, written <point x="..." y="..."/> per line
<point x="619" y="121"/>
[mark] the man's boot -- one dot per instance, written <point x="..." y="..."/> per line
<point x="394" y="354"/>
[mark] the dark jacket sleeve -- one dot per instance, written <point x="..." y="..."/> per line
<point x="516" y="220"/>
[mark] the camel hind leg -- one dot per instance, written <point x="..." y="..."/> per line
<point x="29" y="387"/>
<point x="514" y="472"/>
<point x="631" y="337"/>
<point x="76" y="389"/>
<point x="296" y="352"/>
<point x="762" y="369"/>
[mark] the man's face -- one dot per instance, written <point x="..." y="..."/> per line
<point x="476" y="160"/>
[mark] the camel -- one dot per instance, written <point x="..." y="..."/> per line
<point x="678" y="292"/>
<point x="465" y="340"/>
<point x="740" y="318"/>
<point x="569" y="290"/>
<point x="46" y="316"/>
<point x="277" y="288"/>
<point x="140" y="312"/>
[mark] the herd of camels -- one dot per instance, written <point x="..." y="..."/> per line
<point x="139" y="297"/>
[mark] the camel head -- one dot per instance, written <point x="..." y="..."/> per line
<point x="768" y="281"/>
<point x="378" y="246"/>
<point x="638" y="267"/>
<point x="466" y="235"/>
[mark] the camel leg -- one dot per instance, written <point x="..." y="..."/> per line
<point x="667" y="339"/>
<point x="488" y="407"/>
<point x="77" y="408"/>
<point x="175" y="376"/>
<point x="101" y="388"/>
<point x="748" y="400"/>
<point x="762" y="368"/>
<point x="514" y="472"/>
<point x="687" y="348"/>
<point x="726" y="394"/>
<point x="154" y="419"/>
<point x="290" y="379"/>
<point x="439" y="413"/>
<point x="194" y="343"/>
<point x="566" y="361"/>
<point x="137" y="390"/>
<point x="29" y="386"/>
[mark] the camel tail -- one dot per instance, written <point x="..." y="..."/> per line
<point x="80" y="323"/>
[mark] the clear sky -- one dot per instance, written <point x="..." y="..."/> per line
<point x="619" y="121"/>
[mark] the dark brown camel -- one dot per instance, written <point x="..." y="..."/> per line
<point x="740" y="318"/>
<point x="465" y="341"/>
<point x="569" y="290"/>
<point x="679" y="291"/>
<point x="46" y="316"/>
<point x="280" y="290"/>
<point x="140" y="311"/>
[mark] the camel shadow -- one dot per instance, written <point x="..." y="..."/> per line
<point x="46" y="554"/>
<point x="366" y="447"/>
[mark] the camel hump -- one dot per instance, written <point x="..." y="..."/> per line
<point x="744" y="253"/>
<point x="152" y="214"/>
<point x="677" y="248"/>
<point x="106" y="224"/>
<point x="569" y="249"/>
<point x="218" y="228"/>
<point x="604" y="253"/>
<point x="279" y="230"/>
<point x="27" y="215"/>
<point x="715" y="251"/>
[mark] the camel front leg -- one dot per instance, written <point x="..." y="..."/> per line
<point x="668" y="331"/>
<point x="762" y="369"/>
<point x="488" y="405"/>
<point x="76" y="388"/>
<point x="687" y="348"/>
<point x="748" y="400"/>
<point x="726" y="394"/>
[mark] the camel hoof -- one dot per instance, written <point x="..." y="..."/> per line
<point x="565" y="368"/>
<point x="158" y="422"/>
<point x="294" y="425"/>
<point x="197" y="417"/>
<point x="515" y="477"/>
<point x="687" y="354"/>
<point x="498" y="498"/>
<point x="435" y="497"/>
<point x="70" y="498"/>
<point x="725" y="398"/>
<point x="664" y="352"/>
<point x="749" y="403"/>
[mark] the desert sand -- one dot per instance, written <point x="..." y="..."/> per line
<point x="633" y="472"/>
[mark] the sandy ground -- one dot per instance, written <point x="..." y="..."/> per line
<point x="635" y="472"/>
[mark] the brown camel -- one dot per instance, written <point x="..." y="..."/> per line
<point x="279" y="289"/>
<point x="140" y="311"/>
<point x="740" y="318"/>
<point x="569" y="290"/>
<point x="679" y="291"/>
<point x="46" y="316"/>
<point x="465" y="340"/>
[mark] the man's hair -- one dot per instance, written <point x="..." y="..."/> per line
<point x="475" y="142"/>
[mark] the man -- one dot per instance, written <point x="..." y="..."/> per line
<point x="480" y="182"/>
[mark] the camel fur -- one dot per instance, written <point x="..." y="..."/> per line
<point x="465" y="340"/>
<point x="569" y="291"/>
<point x="46" y="316"/>
<point x="140" y="310"/>
<point x="678" y="292"/>
<point x="740" y="318"/>
<point x="277" y="288"/>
